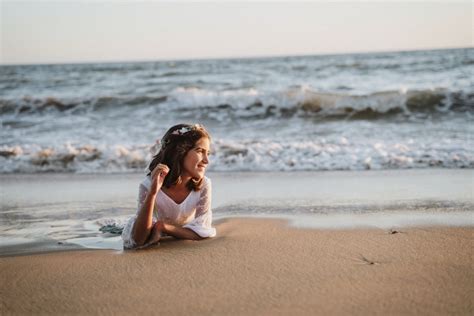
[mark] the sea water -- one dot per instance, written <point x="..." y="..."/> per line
<point x="276" y="122"/>
<point x="56" y="211"/>
<point x="331" y="112"/>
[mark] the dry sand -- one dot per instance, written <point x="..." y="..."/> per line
<point x="254" y="266"/>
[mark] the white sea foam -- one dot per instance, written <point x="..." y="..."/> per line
<point x="340" y="153"/>
<point x="361" y="111"/>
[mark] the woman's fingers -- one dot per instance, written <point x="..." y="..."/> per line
<point x="160" y="170"/>
<point x="158" y="176"/>
<point x="166" y="169"/>
<point x="163" y="167"/>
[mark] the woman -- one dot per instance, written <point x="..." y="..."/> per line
<point x="175" y="197"/>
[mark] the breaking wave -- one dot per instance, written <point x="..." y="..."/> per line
<point x="334" y="112"/>
<point x="245" y="155"/>
<point x="254" y="104"/>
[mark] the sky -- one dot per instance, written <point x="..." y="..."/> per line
<point x="102" y="31"/>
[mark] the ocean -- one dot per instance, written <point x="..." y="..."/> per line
<point x="326" y="141"/>
<point x="394" y="110"/>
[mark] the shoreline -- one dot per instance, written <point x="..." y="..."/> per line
<point x="42" y="212"/>
<point x="331" y="186"/>
<point x="333" y="222"/>
<point x="256" y="266"/>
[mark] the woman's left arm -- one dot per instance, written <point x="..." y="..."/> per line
<point x="180" y="232"/>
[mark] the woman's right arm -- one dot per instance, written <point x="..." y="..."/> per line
<point x="144" y="222"/>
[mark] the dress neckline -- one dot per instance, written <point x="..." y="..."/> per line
<point x="174" y="200"/>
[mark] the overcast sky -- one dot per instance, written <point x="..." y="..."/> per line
<point x="84" y="31"/>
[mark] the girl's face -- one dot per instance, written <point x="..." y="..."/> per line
<point x="196" y="160"/>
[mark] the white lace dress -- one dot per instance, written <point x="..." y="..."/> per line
<point x="193" y="213"/>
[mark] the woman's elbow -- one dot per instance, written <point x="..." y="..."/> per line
<point x="140" y="236"/>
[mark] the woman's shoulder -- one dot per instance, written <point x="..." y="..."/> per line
<point x="205" y="185"/>
<point x="207" y="182"/>
<point x="146" y="182"/>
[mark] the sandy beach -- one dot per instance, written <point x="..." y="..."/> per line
<point x="254" y="266"/>
<point x="371" y="242"/>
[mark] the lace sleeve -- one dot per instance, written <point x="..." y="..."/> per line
<point x="201" y="224"/>
<point x="127" y="238"/>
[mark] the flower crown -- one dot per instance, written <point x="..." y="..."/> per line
<point x="159" y="144"/>
<point x="183" y="130"/>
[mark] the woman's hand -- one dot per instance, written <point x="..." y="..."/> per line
<point x="160" y="225"/>
<point x="155" y="234"/>
<point x="158" y="176"/>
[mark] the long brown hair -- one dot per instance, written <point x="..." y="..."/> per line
<point x="175" y="144"/>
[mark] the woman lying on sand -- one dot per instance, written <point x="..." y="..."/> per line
<point x="175" y="197"/>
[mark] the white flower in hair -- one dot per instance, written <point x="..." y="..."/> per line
<point x="183" y="130"/>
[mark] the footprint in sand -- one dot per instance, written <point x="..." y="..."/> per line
<point x="367" y="261"/>
<point x="394" y="231"/>
<point x="363" y="260"/>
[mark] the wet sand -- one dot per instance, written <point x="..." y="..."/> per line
<point x="45" y="212"/>
<point x="256" y="267"/>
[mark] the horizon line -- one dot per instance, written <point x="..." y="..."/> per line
<point x="229" y="57"/>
